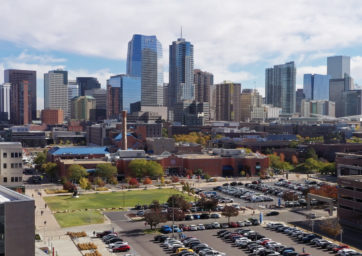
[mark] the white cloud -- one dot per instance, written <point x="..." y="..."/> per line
<point x="233" y="31"/>
<point x="356" y="68"/>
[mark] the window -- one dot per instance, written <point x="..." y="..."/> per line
<point x="5" y="179"/>
<point x="20" y="154"/>
<point x="20" y="179"/>
<point x="12" y="179"/>
<point x="16" y="155"/>
<point x="12" y="154"/>
<point x="5" y="155"/>
<point x="16" y="179"/>
<point x="20" y="165"/>
<point x="11" y="165"/>
<point x="5" y="165"/>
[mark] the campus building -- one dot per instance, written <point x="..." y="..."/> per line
<point x="11" y="164"/>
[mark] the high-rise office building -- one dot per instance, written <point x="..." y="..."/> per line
<point x="280" y="82"/>
<point x="352" y="102"/>
<point x="299" y="96"/>
<point x="316" y="87"/>
<point x="336" y="89"/>
<point x="189" y="112"/>
<point x="82" y="106"/>
<point x="227" y="101"/>
<point x="56" y="91"/>
<point x="249" y="99"/>
<point x="338" y="66"/>
<point x="317" y="107"/>
<point x="5" y="101"/>
<point x="87" y="83"/>
<point x="181" y="72"/>
<point x="202" y="80"/>
<point x="73" y="91"/>
<point x="20" y="103"/>
<point x="144" y="60"/>
<point x="99" y="113"/>
<point x="129" y="90"/>
<point x="15" y="77"/>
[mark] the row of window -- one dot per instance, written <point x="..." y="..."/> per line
<point x="13" y="154"/>
<point x="13" y="165"/>
<point x="13" y="179"/>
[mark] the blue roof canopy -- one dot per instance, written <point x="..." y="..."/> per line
<point x="79" y="151"/>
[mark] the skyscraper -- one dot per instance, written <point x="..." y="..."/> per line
<point x="87" y="83"/>
<point x="181" y="65"/>
<point x="56" y="90"/>
<point x="299" y="96"/>
<point x="338" y="66"/>
<point x="73" y="91"/>
<point x="249" y="99"/>
<point x="227" y="101"/>
<point x="202" y="80"/>
<point x="280" y="84"/>
<point x="20" y="103"/>
<point x="144" y="60"/>
<point x="82" y="106"/>
<point x="15" y="77"/>
<point x="5" y="101"/>
<point x="352" y="101"/>
<point x="316" y="87"/>
<point x="336" y="89"/>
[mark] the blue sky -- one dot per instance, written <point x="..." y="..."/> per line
<point x="235" y="39"/>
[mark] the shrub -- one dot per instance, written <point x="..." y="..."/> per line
<point x="99" y="182"/>
<point x="101" y="189"/>
<point x="70" y="187"/>
<point x="95" y="253"/>
<point x="86" y="246"/>
<point x="147" y="181"/>
<point x="189" y="173"/>
<point x="133" y="182"/>
<point x="76" y="234"/>
<point x="174" y="179"/>
<point x="113" y="180"/>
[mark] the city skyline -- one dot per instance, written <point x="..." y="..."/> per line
<point x="236" y="60"/>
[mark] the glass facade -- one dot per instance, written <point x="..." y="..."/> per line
<point x="144" y="60"/>
<point x="181" y="86"/>
<point x="338" y="66"/>
<point x="316" y="87"/>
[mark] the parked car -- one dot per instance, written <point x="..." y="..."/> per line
<point x="272" y="213"/>
<point x="166" y="229"/>
<point x="103" y="233"/>
<point x="122" y="248"/>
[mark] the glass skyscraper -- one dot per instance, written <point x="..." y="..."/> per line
<point x="316" y="87"/>
<point x="130" y="89"/>
<point x="144" y="60"/>
<point x="338" y="66"/>
<point x="181" y="82"/>
<point x="280" y="86"/>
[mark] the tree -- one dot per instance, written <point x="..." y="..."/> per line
<point x="154" y="217"/>
<point x="326" y="191"/>
<point x="40" y="159"/>
<point x="155" y="205"/>
<point x="76" y="172"/>
<point x="294" y="160"/>
<point x="176" y="213"/>
<point x="178" y="201"/>
<point x="106" y="171"/>
<point x="141" y="168"/>
<point x="69" y="186"/>
<point x="311" y="154"/>
<point x="312" y="165"/>
<point x="230" y="211"/>
<point x="331" y="227"/>
<point x="154" y="169"/>
<point x="51" y="169"/>
<point x="99" y="182"/>
<point x="207" y="204"/>
<point x="84" y="183"/>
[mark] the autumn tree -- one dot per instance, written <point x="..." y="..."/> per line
<point x="154" y="217"/>
<point x="40" y="159"/>
<point x="326" y="191"/>
<point x="106" y="171"/>
<point x="84" y="183"/>
<point x="207" y="204"/>
<point x="230" y="211"/>
<point x="147" y="181"/>
<point x="76" y="172"/>
<point x="294" y="160"/>
<point x="51" y="169"/>
<point x="178" y="201"/>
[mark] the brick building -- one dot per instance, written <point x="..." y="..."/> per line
<point x="349" y="164"/>
<point x="52" y="116"/>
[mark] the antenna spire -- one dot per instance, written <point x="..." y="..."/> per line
<point x="181" y="31"/>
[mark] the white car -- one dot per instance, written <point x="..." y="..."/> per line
<point x="241" y="240"/>
<point x="215" y="225"/>
<point x="113" y="245"/>
<point x="193" y="227"/>
<point x="247" y="223"/>
<point x="201" y="227"/>
<point x="345" y="252"/>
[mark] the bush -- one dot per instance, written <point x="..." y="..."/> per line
<point x="99" y="182"/>
<point x="113" y="181"/>
<point x="86" y="246"/>
<point x="95" y="253"/>
<point x="133" y="182"/>
<point x="55" y="191"/>
<point x="76" y="234"/>
<point x="101" y="189"/>
<point x="147" y="181"/>
<point x="70" y="187"/>
<point x="174" y="179"/>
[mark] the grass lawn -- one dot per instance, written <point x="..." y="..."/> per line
<point x="110" y="200"/>
<point x="79" y="218"/>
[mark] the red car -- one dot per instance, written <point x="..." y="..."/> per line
<point x="104" y="233"/>
<point x="340" y="247"/>
<point x="233" y="224"/>
<point x="123" y="248"/>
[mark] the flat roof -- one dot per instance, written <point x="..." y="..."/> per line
<point x="79" y="151"/>
<point x="83" y="161"/>
<point x="8" y="195"/>
<point x="352" y="177"/>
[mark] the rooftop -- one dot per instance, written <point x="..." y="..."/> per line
<point x="352" y="178"/>
<point x="56" y="151"/>
<point x="83" y="161"/>
<point x="8" y="195"/>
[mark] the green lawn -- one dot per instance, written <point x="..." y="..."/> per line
<point x="110" y="200"/>
<point x="79" y="218"/>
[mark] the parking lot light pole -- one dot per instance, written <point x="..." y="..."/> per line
<point x="173" y="216"/>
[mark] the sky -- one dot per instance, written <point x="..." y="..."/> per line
<point x="233" y="39"/>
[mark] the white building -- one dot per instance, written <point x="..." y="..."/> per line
<point x="56" y="91"/>
<point x="11" y="164"/>
<point x="5" y="101"/>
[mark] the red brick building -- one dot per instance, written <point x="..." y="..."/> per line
<point x="52" y="116"/>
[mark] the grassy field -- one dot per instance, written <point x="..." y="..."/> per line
<point x="79" y="218"/>
<point x="110" y="200"/>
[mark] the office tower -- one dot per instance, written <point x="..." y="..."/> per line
<point x="73" y="91"/>
<point x="144" y="60"/>
<point x="99" y="113"/>
<point x="82" y="106"/>
<point x="249" y="99"/>
<point x="56" y="91"/>
<point x="227" y="100"/>
<point x="15" y="77"/>
<point x="20" y="103"/>
<point x="280" y="86"/>
<point x="338" y="66"/>
<point x="87" y="83"/>
<point x="202" y="80"/>
<point x="181" y="68"/>
<point x="129" y="92"/>
<point x="114" y="103"/>
<point x="352" y="102"/>
<point x="52" y="116"/>
<point x="336" y="89"/>
<point x="316" y="87"/>
<point x="17" y="217"/>
<point x="5" y="101"/>
<point x="317" y="107"/>
<point x="299" y="96"/>
<point x="166" y="102"/>
<point x="189" y="112"/>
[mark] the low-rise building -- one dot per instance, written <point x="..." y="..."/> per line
<point x="17" y="224"/>
<point x="52" y="116"/>
<point x="350" y="201"/>
<point x="11" y="164"/>
<point x="348" y="164"/>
